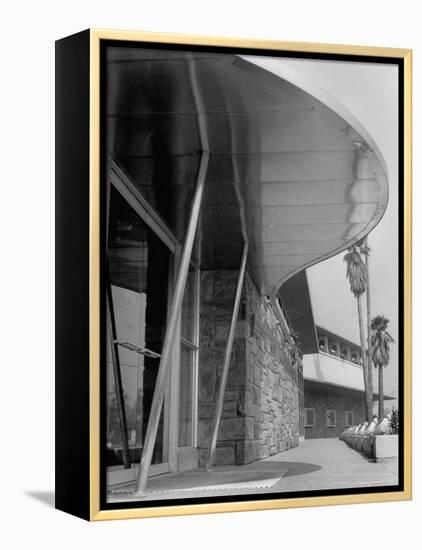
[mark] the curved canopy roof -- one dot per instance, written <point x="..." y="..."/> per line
<point x="289" y="170"/>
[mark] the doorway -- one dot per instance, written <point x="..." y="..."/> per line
<point x="138" y="267"/>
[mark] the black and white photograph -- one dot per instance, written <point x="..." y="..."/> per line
<point x="252" y="268"/>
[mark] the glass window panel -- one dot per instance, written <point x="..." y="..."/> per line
<point x="152" y="128"/>
<point x="310" y="417"/>
<point x="139" y="266"/>
<point x="331" y="418"/>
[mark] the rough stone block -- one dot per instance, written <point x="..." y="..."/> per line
<point x="246" y="452"/>
<point x="249" y="427"/>
<point x="204" y="431"/>
<point x="224" y="286"/>
<point x="206" y="331"/>
<point x="207" y="410"/>
<point x="236" y="376"/>
<point x="241" y="329"/>
<point x="248" y="402"/>
<point x="221" y="329"/>
<point x="224" y="455"/>
<point x="263" y="452"/>
<point x="231" y="428"/>
<point x="257" y="374"/>
<point x="207" y="380"/>
<point x="239" y="351"/>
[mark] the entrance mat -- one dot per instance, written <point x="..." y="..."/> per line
<point x="214" y="480"/>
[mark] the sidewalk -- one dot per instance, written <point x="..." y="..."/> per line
<point x="316" y="464"/>
<point x="339" y="466"/>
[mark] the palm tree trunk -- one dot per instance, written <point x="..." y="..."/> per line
<point x="368" y="328"/>
<point x="380" y="392"/>
<point x="364" y="358"/>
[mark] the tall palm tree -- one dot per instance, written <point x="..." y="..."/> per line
<point x="365" y="252"/>
<point x="380" y="339"/>
<point x="356" y="273"/>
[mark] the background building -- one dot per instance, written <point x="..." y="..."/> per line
<point x="333" y="388"/>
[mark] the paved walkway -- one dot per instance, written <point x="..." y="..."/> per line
<point x="335" y="466"/>
<point x="316" y="464"/>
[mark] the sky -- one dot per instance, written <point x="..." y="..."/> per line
<point x="369" y="91"/>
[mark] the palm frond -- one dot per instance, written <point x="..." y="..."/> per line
<point x="380" y="340"/>
<point x="355" y="271"/>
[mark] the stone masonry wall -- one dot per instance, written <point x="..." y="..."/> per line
<point x="261" y="408"/>
<point x="322" y="398"/>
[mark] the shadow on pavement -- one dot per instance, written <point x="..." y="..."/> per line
<point x="299" y="468"/>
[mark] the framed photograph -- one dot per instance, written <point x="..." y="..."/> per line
<point x="233" y="274"/>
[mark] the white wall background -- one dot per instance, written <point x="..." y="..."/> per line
<point x="27" y="270"/>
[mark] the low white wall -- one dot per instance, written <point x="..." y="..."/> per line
<point x="330" y="369"/>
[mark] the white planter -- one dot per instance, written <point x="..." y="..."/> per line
<point x="385" y="446"/>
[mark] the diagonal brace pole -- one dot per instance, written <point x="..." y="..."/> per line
<point x="227" y="356"/>
<point x="166" y="353"/>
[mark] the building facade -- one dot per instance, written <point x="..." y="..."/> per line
<point x="334" y="390"/>
<point x="261" y="403"/>
<point x="225" y="179"/>
<point x="329" y="410"/>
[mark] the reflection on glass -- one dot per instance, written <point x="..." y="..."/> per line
<point x="188" y="357"/>
<point x="138" y="264"/>
<point x="186" y="391"/>
<point x="158" y="151"/>
<point x="188" y="308"/>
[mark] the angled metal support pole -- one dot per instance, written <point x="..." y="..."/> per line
<point x="166" y="353"/>
<point x="121" y="413"/>
<point x="227" y="356"/>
